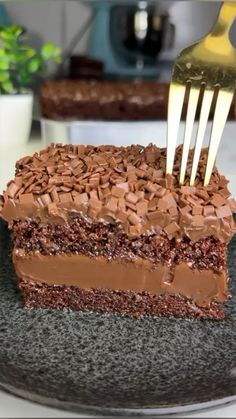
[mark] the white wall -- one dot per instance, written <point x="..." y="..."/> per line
<point x="195" y="20"/>
<point x="56" y="21"/>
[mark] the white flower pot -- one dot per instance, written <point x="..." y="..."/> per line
<point x="15" y="118"/>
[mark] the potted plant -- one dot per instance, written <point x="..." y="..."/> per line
<point x="19" y="64"/>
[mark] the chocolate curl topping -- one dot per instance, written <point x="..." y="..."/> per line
<point x="126" y="185"/>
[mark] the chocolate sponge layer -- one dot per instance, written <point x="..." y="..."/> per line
<point x="110" y="301"/>
<point x="108" y="240"/>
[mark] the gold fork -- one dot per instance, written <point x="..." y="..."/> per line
<point x="209" y="66"/>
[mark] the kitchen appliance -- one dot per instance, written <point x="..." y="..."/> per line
<point x="4" y="18"/>
<point x="129" y="37"/>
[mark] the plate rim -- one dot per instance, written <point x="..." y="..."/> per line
<point x="86" y="409"/>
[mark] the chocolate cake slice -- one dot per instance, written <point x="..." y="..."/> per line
<point x="110" y="100"/>
<point x="103" y="100"/>
<point x="103" y="229"/>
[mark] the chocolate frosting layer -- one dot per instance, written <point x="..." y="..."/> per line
<point x="202" y="287"/>
<point x="122" y="185"/>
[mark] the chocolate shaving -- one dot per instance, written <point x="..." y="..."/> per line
<point x="224" y="211"/>
<point x="218" y="200"/>
<point x="171" y="230"/>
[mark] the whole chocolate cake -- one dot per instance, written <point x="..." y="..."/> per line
<point x="103" y="229"/>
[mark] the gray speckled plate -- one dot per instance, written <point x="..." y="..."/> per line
<point x="112" y="364"/>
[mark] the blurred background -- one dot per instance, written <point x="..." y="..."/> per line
<point x="131" y="38"/>
<point x="104" y="40"/>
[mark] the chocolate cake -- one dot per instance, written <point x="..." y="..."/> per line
<point x="103" y="229"/>
<point x="85" y="67"/>
<point x="109" y="100"/>
<point x="103" y="100"/>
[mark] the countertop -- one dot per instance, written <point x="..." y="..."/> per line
<point x="13" y="407"/>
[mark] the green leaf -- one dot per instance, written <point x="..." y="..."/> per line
<point x="4" y="65"/>
<point x="24" y="77"/>
<point x="34" y="65"/>
<point x="8" y="44"/>
<point x="57" y="59"/>
<point x="16" y="30"/>
<point x="28" y="52"/>
<point x="4" y="76"/>
<point x="4" y="59"/>
<point x="20" y="57"/>
<point x="19" y="62"/>
<point x="10" y="57"/>
<point x="5" y="35"/>
<point x="11" y="32"/>
<point x="7" y="86"/>
<point x="50" y="50"/>
<point x="57" y="52"/>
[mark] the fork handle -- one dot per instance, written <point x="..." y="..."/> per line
<point x="226" y="16"/>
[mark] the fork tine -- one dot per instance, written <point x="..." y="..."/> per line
<point x="175" y="105"/>
<point x="223" y="103"/>
<point x="204" y="115"/>
<point x="191" y="112"/>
